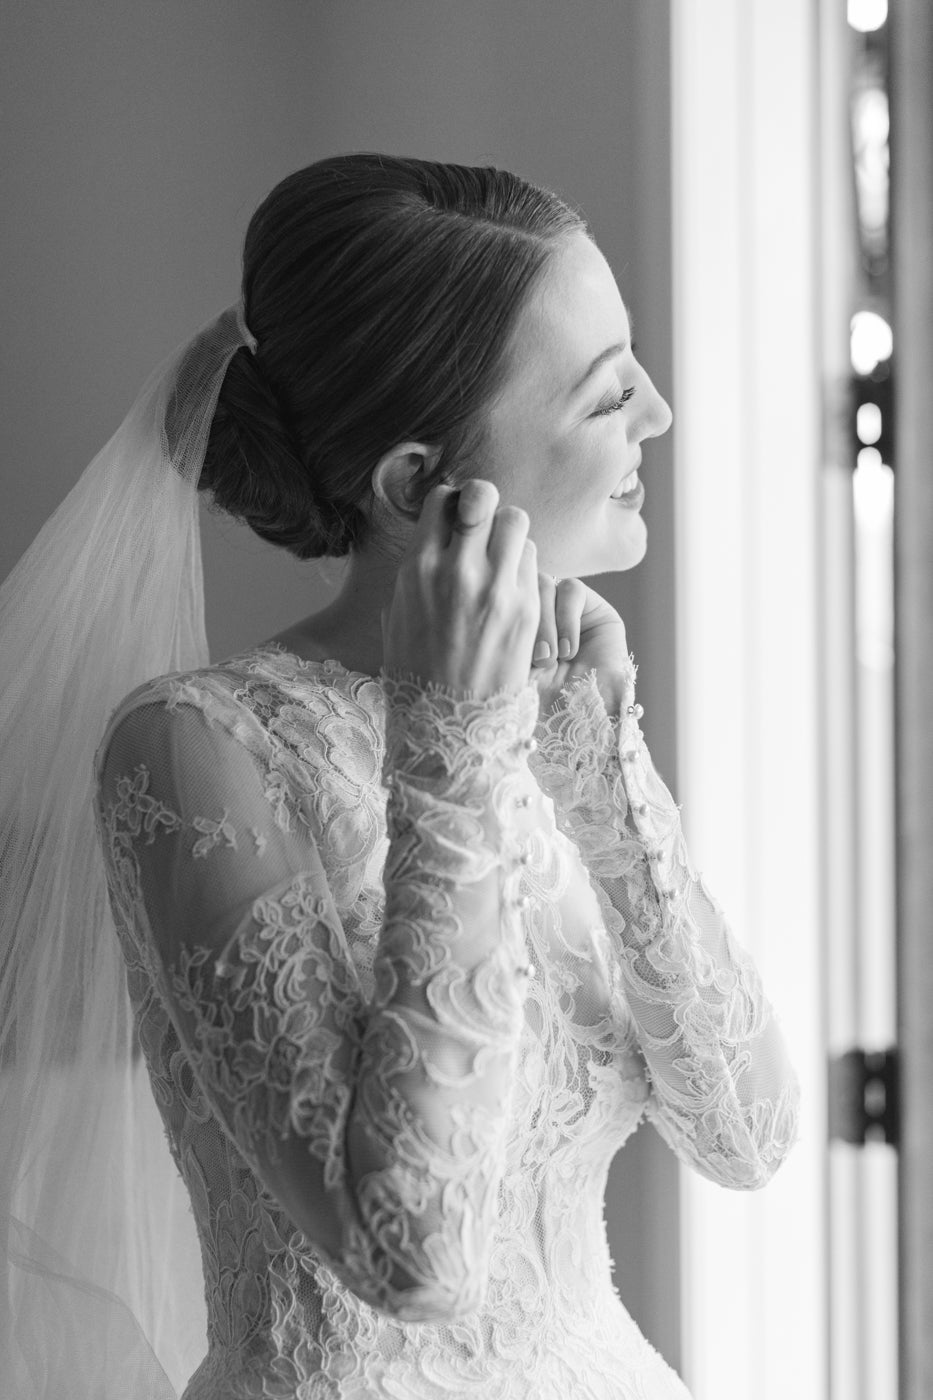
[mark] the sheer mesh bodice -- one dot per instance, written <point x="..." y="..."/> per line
<point x="407" y="969"/>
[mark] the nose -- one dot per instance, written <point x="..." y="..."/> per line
<point x="657" y="412"/>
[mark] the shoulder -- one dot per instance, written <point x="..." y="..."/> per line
<point x="284" y="709"/>
<point x="175" y="703"/>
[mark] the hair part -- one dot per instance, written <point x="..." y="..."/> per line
<point x="382" y="292"/>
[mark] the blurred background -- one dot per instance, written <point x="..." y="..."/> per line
<point x="733" y="160"/>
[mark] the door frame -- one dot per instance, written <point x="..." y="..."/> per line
<point x="912" y="238"/>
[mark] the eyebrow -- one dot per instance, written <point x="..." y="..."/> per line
<point x="609" y="353"/>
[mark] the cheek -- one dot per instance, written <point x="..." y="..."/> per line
<point x="527" y="468"/>
<point x="573" y="484"/>
<point x="611" y="456"/>
<point x="591" y="470"/>
<point x="555" y="481"/>
<point x="508" y="459"/>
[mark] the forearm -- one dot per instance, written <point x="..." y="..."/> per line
<point x="427" y="1132"/>
<point x="724" y="1092"/>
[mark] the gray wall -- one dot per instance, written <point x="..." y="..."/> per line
<point x="137" y="137"/>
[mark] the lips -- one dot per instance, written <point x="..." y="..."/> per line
<point x="628" y="483"/>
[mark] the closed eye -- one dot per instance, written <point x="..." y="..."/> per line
<point x="616" y="404"/>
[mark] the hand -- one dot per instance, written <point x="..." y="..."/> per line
<point x="595" y="634"/>
<point x="465" y="607"/>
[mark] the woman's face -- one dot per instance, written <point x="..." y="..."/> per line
<point x="563" y="434"/>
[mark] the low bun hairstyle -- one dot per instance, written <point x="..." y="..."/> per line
<point x="381" y="292"/>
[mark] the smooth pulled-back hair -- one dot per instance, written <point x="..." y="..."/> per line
<point x="382" y="292"/>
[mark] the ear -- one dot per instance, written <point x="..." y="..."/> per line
<point x="398" y="472"/>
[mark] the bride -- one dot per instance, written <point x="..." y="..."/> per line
<point x="393" y="905"/>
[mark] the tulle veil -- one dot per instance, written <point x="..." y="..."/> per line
<point x="103" y="1296"/>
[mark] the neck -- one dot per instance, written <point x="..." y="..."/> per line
<point x="349" y="628"/>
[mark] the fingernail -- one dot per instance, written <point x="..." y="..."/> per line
<point x="542" y="651"/>
<point x="563" y="647"/>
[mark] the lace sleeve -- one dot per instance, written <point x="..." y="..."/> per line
<point x="379" y="1128"/>
<point x="724" y="1095"/>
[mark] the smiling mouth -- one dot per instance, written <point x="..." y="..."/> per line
<point x="626" y="485"/>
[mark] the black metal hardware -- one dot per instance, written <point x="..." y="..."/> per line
<point x="876" y="388"/>
<point x="864" y="1102"/>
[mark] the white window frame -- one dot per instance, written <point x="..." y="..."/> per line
<point x="750" y="506"/>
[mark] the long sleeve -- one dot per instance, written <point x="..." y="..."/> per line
<point x="378" y="1127"/>
<point x="724" y="1095"/>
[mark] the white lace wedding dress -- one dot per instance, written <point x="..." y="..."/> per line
<point x="407" y="970"/>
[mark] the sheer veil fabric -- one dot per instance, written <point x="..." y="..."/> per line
<point x="100" y="1254"/>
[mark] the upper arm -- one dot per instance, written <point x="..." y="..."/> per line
<point x="245" y="946"/>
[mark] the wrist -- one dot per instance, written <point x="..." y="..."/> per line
<point x="617" y="689"/>
<point x="615" y="679"/>
<point x="435" y="732"/>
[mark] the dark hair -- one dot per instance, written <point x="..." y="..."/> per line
<point x="381" y="291"/>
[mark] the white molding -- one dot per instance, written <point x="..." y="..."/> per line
<point x="748" y="529"/>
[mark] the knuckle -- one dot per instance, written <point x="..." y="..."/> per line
<point x="460" y="581"/>
<point x="480" y="490"/>
<point x="514" y="516"/>
<point x="500" y="596"/>
<point x="422" y="565"/>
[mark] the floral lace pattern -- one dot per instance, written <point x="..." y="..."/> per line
<point x="695" y="992"/>
<point x="407" y="969"/>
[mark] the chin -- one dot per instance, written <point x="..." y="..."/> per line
<point x="612" y="556"/>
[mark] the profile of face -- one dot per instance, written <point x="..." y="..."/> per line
<point x="565" y="429"/>
<point x="567" y="425"/>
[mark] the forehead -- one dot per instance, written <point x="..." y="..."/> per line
<point x="573" y="312"/>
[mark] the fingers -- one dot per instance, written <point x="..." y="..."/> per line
<point x="471" y="520"/>
<point x="475" y="514"/>
<point x="527" y="575"/>
<point x="469" y="524"/>
<point x="458" y="518"/>
<point x="559" y="626"/>
<point x="437" y="513"/>
<point x="568" y="613"/>
<point x="507" y="539"/>
<point x="480" y="526"/>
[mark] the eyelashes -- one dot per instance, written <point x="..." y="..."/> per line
<point x="616" y="403"/>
